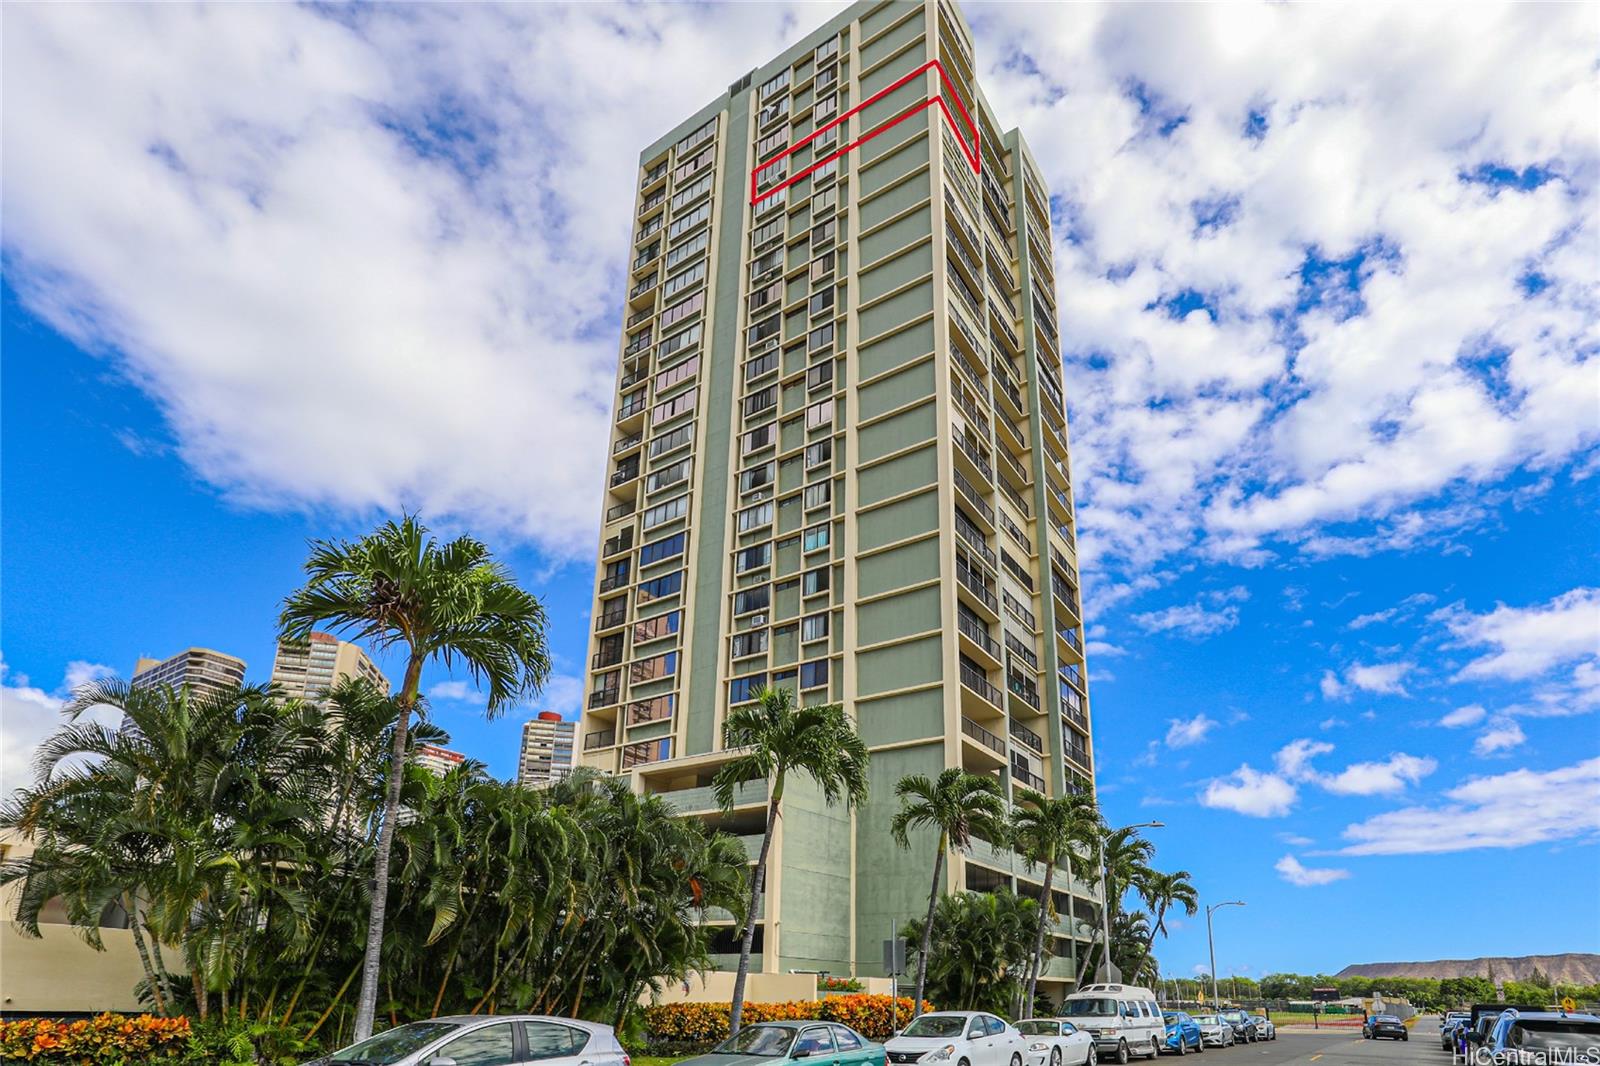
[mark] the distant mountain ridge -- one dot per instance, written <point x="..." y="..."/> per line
<point x="1572" y="967"/>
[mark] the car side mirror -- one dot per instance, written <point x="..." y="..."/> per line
<point x="801" y="1053"/>
<point x="441" y="1060"/>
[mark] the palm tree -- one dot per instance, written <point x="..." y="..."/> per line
<point x="1161" y="891"/>
<point x="1126" y="859"/>
<point x="398" y="587"/>
<point x="981" y="947"/>
<point x="774" y="737"/>
<point x="1045" y="830"/>
<point x="958" y="805"/>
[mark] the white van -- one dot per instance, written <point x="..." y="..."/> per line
<point x="1124" y="1020"/>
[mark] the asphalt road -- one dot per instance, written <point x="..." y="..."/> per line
<point x="1342" y="1048"/>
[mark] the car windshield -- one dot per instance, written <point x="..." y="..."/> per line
<point x="1206" y="1019"/>
<point x="1171" y="1019"/>
<point x="937" y="1025"/>
<point x="1089" y="1008"/>
<point x="1581" y="1037"/>
<point x="1387" y="1019"/>
<point x="763" y="1041"/>
<point x="1039" y="1028"/>
<point x="395" y="1044"/>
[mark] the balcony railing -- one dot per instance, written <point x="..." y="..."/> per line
<point x="1023" y="689"/>
<point x="643" y="285"/>
<point x="638" y="317"/>
<point x="632" y="440"/>
<point x="1065" y="594"/>
<point x="975" y="680"/>
<point x="611" y="618"/>
<point x="631" y="406"/>
<point x="606" y="657"/>
<point x="973" y="412"/>
<point x="612" y="582"/>
<point x="970" y="491"/>
<point x="604" y="697"/>
<point x="1023" y="776"/>
<point x="621" y="510"/>
<point x="618" y="544"/>
<point x="975" y="584"/>
<point x="1022" y="651"/>
<point x="1016" y="498"/>
<point x="654" y="174"/>
<point x="983" y="736"/>
<point x="973" y="451"/>
<point x="624" y="474"/>
<point x="974" y="632"/>
<point x="1027" y="737"/>
<point x="1080" y="755"/>
<point x="652" y="200"/>
<point x="600" y="738"/>
<point x="974" y="539"/>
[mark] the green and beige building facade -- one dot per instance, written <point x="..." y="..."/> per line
<point x="839" y="463"/>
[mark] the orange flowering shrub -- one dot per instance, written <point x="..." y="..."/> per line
<point x="107" y="1038"/>
<point x="704" y="1024"/>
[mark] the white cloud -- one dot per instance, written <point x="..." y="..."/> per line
<point x="1292" y="871"/>
<point x="1379" y="778"/>
<point x="1249" y="791"/>
<point x="1183" y="732"/>
<point x="1296" y="840"/>
<point x="1502" y="735"/>
<point x="1527" y="642"/>
<point x="1380" y="678"/>
<point x="1471" y="714"/>
<point x="563" y="693"/>
<point x="1507" y="810"/>
<point x="1294" y="758"/>
<point x="453" y="691"/>
<point x="1103" y="649"/>
<point x="1194" y="620"/>
<point x="29" y="714"/>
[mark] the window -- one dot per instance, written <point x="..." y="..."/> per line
<point x="814" y="674"/>
<point x="772" y="112"/>
<point x="755" y="517"/>
<point x="661" y="587"/>
<point x="668" y="476"/>
<point x="846" y="1038"/>
<point x="757" y="402"/>
<point x="768" y="262"/>
<point x="548" y="1040"/>
<point x="662" y="625"/>
<point x="752" y="558"/>
<point x="823" y="232"/>
<point x="820" y="338"/>
<point x="678" y="282"/>
<point x="819" y="453"/>
<point x="688" y="193"/>
<point x="820" y="302"/>
<point x="666" y="442"/>
<point x="697" y="136"/>
<point x="690" y="221"/>
<point x="818" y="1041"/>
<point x="995" y="1025"/>
<point x="680" y="311"/>
<point x="818" y="495"/>
<point x="686" y="170"/>
<point x="653" y="668"/>
<point x="678" y="340"/>
<point x="762" y="297"/>
<point x="816" y="537"/>
<point x="758" y="438"/>
<point x="821" y="268"/>
<point x="773" y="171"/>
<point x="815" y="581"/>
<point x="814" y="627"/>
<point x="493" y="1045"/>
<point x="771" y="143"/>
<point x="745" y="688"/>
<point x="771" y="231"/>
<point x="826" y="107"/>
<point x="819" y="375"/>
<point x="778" y="83"/>
<point x="666" y="512"/>
<point x="977" y="1030"/>
<point x="658" y="550"/>
<point x="756" y="599"/>
<point x="747" y="644"/>
<point x="676" y="374"/>
<point x="818" y="414"/>
<point x="826" y="200"/>
<point x="766" y="364"/>
<point x="827" y="50"/>
<point x="762" y="330"/>
<point x="756" y="477"/>
<point x="679" y="404"/>
<point x="688" y="248"/>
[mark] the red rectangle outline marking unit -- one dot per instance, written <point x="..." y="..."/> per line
<point x="973" y="154"/>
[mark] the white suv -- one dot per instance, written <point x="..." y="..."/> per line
<point x="1124" y="1020"/>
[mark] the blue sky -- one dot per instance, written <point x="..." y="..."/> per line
<point x="1331" y="375"/>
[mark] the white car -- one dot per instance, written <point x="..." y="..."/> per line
<point x="1215" y="1031"/>
<point x="1265" y="1030"/>
<point x="957" y="1038"/>
<point x="1055" y="1042"/>
<point x="461" y="1040"/>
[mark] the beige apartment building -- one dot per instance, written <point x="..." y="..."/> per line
<point x="549" y="747"/>
<point x="204" y="670"/>
<point x="307" y="670"/>
<point x="839" y="463"/>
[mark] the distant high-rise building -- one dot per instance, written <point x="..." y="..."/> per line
<point x="435" y="759"/>
<point x="839" y="465"/>
<point x="548" y="750"/>
<point x="204" y="670"/>
<point x="308" y="669"/>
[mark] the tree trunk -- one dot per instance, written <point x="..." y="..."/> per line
<point x="144" y="954"/>
<point x="1038" y="938"/>
<point x="757" y="881"/>
<point x="1150" y="941"/>
<point x="199" y="988"/>
<point x="161" y="968"/>
<point x="367" y="1003"/>
<point x="927" y="926"/>
<point x="1072" y="917"/>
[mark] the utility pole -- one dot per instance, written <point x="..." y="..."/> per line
<point x="1211" y="943"/>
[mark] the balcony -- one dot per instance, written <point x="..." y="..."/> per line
<point x="653" y="201"/>
<point x="643" y="285"/>
<point x="600" y="738"/>
<point x="605" y="697"/>
<point x="631" y="406"/>
<point x="612" y="617"/>
<point x="972" y="411"/>
<point x="654" y="174"/>
<point x="983" y="736"/>
<point x="1066" y="596"/>
<point x="1022" y="651"/>
<point x="621" y="510"/>
<point x="627" y="443"/>
<point x="607" y="656"/>
<point x="975" y="582"/>
<point x="701" y="801"/>
<point x="624" y="474"/>
<point x="642" y="341"/>
<point x="973" y="537"/>
<point x="970" y="491"/>
<point x="618" y="544"/>
<point x="1027" y="778"/>
<point x="1080" y="755"/>
<point x="974" y="680"/>
<point x="973" y="631"/>
<point x="1023" y="689"/>
<point x="1027" y="738"/>
<point x="975" y="454"/>
<point x="1016" y="499"/>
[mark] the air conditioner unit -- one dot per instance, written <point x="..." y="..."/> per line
<point x="758" y="620"/>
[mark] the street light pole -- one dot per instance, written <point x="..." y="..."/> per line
<point x="1212" y="944"/>
<point x="1112" y="974"/>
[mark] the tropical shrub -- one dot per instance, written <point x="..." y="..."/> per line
<point x="838" y="984"/>
<point x="106" y="1038"/>
<point x="700" y="1025"/>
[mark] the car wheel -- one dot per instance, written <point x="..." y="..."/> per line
<point x="1122" y="1053"/>
<point x="1016" y="1059"/>
<point x="1183" y="1046"/>
<point x="1155" y="1048"/>
<point x="1055" y="1056"/>
<point x="1091" y="1057"/>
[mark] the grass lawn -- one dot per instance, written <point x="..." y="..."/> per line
<point x="657" y="1060"/>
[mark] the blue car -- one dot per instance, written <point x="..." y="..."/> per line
<point x="1183" y="1033"/>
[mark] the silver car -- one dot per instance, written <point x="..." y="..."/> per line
<point x="486" y="1040"/>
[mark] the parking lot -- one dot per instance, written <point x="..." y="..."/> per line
<point x="1342" y="1048"/>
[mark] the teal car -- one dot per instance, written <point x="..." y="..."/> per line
<point x="770" y="1043"/>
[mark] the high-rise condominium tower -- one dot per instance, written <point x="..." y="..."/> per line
<point x="202" y="669"/>
<point x="548" y="750"/>
<point x="839" y="464"/>
<point x="307" y="670"/>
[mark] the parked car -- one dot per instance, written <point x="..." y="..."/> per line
<point x="1265" y="1030"/>
<point x="1183" y="1035"/>
<point x="1124" y="1020"/>
<point x="1215" y="1031"/>
<point x="1448" y="1025"/>
<point x="1244" y="1031"/>
<point x="1056" y="1042"/>
<point x="958" y="1038"/>
<point x="769" y="1043"/>
<point x="1539" y="1037"/>
<point x="487" y="1038"/>
<point x="1378" y="1026"/>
